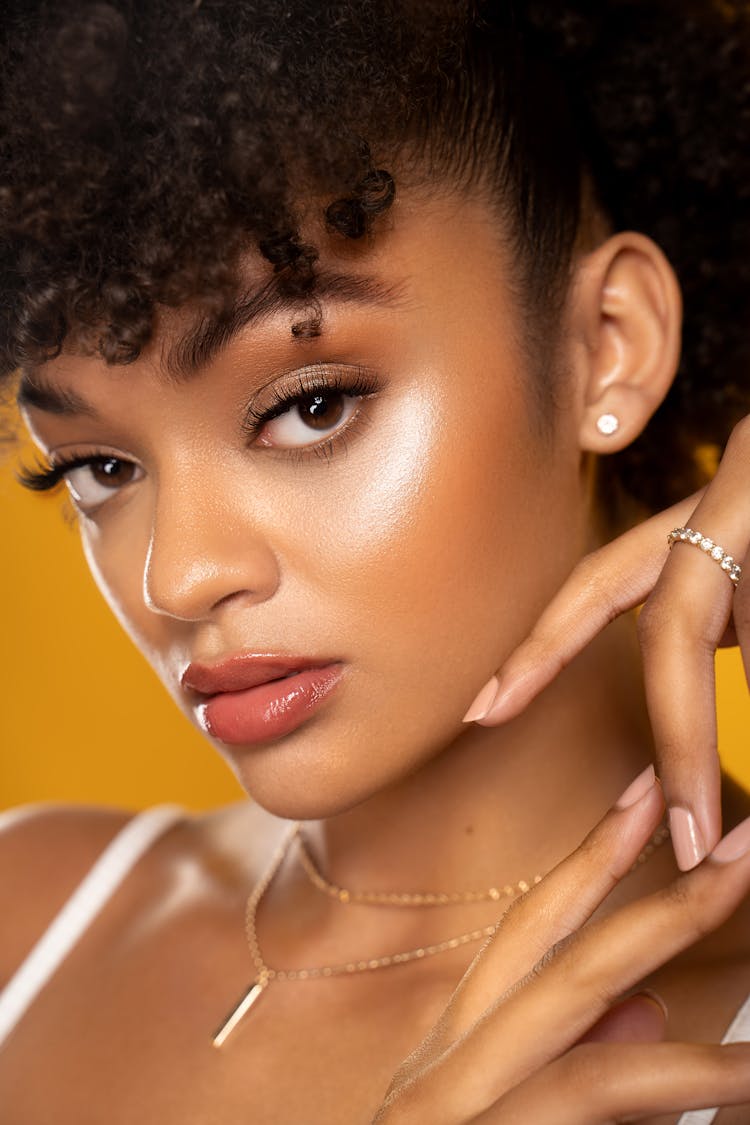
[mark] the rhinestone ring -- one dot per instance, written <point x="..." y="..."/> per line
<point x="713" y="550"/>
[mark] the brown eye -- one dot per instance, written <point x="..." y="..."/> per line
<point x="321" y="411"/>
<point x="94" y="482"/>
<point x="112" y="472"/>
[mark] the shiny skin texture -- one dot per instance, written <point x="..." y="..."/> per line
<point x="418" y="552"/>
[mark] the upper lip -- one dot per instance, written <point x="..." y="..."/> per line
<point x="244" y="670"/>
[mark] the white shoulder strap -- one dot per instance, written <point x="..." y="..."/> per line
<point x="738" y="1030"/>
<point x="101" y="881"/>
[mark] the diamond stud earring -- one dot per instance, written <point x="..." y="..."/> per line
<point x="607" y="424"/>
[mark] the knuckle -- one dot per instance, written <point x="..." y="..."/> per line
<point x="662" y="623"/>
<point x="588" y="568"/>
<point x="554" y="952"/>
<point x="652" y="621"/>
<point x="678" y="895"/>
<point x="592" y="577"/>
<point x="552" y="955"/>
<point x="593" y="852"/>
<point x="691" y="899"/>
<point x="590" y="846"/>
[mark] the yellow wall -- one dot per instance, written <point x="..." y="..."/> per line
<point x="75" y="693"/>
<point x="75" y="690"/>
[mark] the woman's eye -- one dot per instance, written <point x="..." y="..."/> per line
<point x="94" y="482"/>
<point x="308" y="418"/>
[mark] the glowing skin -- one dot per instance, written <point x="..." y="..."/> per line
<point x="419" y="555"/>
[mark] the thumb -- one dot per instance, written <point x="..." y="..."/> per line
<point x="640" y="1018"/>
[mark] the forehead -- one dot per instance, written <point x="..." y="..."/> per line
<point x="434" y="256"/>
<point x="198" y="338"/>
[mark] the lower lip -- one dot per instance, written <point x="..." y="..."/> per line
<point x="269" y="710"/>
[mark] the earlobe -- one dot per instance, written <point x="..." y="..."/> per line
<point x="627" y="317"/>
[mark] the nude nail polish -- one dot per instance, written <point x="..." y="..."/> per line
<point x="637" y="788"/>
<point x="483" y="702"/>
<point x="735" y="844"/>
<point x="687" y="841"/>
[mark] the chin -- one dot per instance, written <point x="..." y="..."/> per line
<point x="301" y="801"/>
<point x="306" y="782"/>
<point x="334" y="763"/>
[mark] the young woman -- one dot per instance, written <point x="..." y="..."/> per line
<point x="355" y="333"/>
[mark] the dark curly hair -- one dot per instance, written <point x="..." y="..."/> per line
<point x="145" y="144"/>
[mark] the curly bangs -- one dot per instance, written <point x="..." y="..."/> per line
<point x="145" y="145"/>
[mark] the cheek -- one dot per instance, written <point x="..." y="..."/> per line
<point x="117" y="560"/>
<point x="437" y="555"/>
<point x="422" y="554"/>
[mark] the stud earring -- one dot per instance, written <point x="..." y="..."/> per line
<point x="607" y="424"/>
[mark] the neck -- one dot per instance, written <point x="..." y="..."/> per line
<point x="504" y="803"/>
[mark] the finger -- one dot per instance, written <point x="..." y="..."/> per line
<point x="680" y="628"/>
<point x="641" y="1018"/>
<point x="600" y="1083"/>
<point x="549" y="913"/>
<point x="606" y="583"/>
<point x="544" y="1014"/>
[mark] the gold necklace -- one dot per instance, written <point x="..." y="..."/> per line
<point x="405" y="898"/>
<point x="436" y="898"/>
<point x="266" y="974"/>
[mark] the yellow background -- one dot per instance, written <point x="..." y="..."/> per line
<point x="83" y="718"/>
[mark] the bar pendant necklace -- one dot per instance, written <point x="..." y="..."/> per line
<point x="244" y="1006"/>
<point x="266" y="974"/>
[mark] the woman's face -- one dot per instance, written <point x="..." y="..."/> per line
<point x="410" y="535"/>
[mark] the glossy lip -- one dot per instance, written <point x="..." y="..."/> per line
<point x="246" y="670"/>
<point x="270" y="710"/>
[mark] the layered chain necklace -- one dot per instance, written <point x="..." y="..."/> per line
<point x="265" y="974"/>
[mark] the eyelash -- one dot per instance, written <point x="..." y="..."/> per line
<point x="362" y="385"/>
<point x="308" y="383"/>
<point x="45" y="479"/>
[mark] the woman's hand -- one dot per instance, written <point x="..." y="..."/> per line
<point x="537" y="1030"/>
<point x="691" y="609"/>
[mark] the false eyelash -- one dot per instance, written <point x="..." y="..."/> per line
<point x="45" y="478"/>
<point x="307" y="384"/>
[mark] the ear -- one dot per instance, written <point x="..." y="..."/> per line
<point x="626" y="321"/>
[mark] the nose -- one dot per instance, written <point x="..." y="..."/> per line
<point x="203" y="550"/>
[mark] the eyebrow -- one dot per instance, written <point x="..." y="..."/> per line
<point x="54" y="400"/>
<point x="190" y="355"/>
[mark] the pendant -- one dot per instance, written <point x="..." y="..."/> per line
<point x="239" y="1011"/>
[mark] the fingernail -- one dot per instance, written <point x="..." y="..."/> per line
<point x="687" y="841"/>
<point x="735" y="844"/>
<point x="657" y="999"/>
<point x="637" y="788"/>
<point x="483" y="702"/>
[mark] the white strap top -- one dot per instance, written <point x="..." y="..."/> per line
<point x="103" y="879"/>
<point x="100" y="883"/>
<point x="738" y="1031"/>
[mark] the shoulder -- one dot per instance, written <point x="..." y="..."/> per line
<point x="45" y="850"/>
